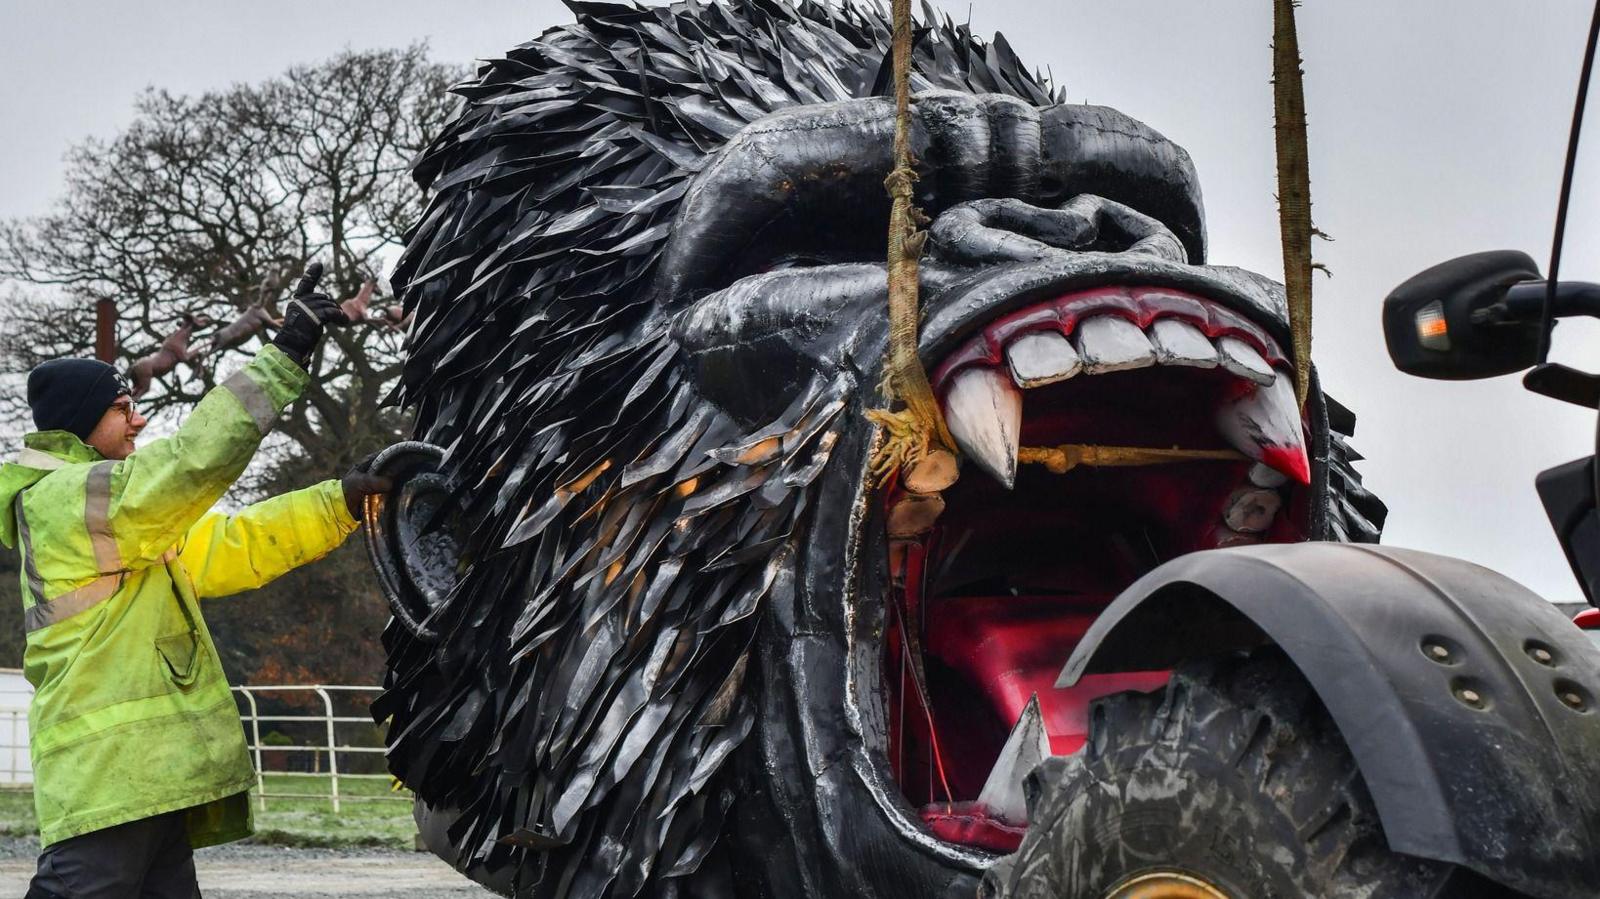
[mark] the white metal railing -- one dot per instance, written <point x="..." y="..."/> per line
<point x="252" y="718"/>
<point x="16" y="768"/>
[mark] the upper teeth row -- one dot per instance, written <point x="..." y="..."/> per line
<point x="983" y="407"/>
<point x="1107" y="343"/>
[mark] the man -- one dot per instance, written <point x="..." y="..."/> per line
<point x="138" y="752"/>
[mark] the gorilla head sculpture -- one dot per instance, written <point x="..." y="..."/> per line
<point x="652" y="635"/>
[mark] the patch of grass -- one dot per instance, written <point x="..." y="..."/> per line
<point x="305" y="821"/>
<point x="370" y="814"/>
<point x="16" y="813"/>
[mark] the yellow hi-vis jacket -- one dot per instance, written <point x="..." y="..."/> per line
<point x="131" y="714"/>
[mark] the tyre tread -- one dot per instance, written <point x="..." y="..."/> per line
<point x="1255" y="716"/>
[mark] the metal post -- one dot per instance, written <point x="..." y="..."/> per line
<point x="105" y="330"/>
<point x="333" y="758"/>
<point x="255" y="745"/>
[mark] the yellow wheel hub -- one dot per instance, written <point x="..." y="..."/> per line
<point x="1165" y="885"/>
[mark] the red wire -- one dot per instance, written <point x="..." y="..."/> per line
<point x="922" y="695"/>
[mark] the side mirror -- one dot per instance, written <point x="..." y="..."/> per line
<point x="1428" y="320"/>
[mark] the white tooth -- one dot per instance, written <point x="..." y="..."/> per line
<point x="1267" y="476"/>
<point x="983" y="410"/>
<point x="1242" y="359"/>
<point x="915" y="514"/>
<point x="1264" y="424"/>
<point x="1108" y="343"/>
<point x="1224" y="538"/>
<point x="1027" y="746"/>
<point x="1179" y="343"/>
<point x="1042" y="358"/>
<point x="1252" y="511"/>
<point x="936" y="471"/>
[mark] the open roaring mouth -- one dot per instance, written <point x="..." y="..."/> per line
<point x="1108" y="431"/>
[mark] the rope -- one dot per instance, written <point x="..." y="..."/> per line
<point x="918" y="427"/>
<point x="1294" y="186"/>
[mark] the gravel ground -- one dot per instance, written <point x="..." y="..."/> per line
<point x="244" y="871"/>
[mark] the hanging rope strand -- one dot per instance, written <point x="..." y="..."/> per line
<point x="1294" y="186"/>
<point x="910" y="432"/>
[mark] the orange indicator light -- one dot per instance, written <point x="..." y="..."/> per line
<point x="1433" y="332"/>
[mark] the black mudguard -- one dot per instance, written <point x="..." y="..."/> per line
<point x="1467" y="700"/>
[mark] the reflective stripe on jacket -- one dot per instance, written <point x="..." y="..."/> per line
<point x="131" y="714"/>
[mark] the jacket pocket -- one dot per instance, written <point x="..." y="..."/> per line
<point x="181" y="654"/>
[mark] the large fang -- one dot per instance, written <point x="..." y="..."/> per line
<point x="1108" y="343"/>
<point x="983" y="410"/>
<point x="1264" y="424"/>
<point x="1028" y="745"/>
<point x="1042" y="358"/>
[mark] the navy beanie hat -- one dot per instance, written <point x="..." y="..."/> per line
<point x="72" y="394"/>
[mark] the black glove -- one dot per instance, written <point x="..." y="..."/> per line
<point x="360" y="484"/>
<point x="308" y="312"/>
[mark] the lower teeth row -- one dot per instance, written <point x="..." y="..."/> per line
<point x="1250" y="511"/>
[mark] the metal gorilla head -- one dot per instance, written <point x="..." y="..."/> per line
<point x="649" y="313"/>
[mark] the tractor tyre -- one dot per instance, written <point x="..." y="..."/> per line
<point x="1231" y="783"/>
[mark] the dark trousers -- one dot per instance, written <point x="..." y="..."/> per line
<point x="148" y="859"/>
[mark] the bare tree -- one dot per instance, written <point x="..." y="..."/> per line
<point x="206" y="207"/>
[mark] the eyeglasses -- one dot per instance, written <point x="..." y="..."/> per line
<point x="127" y="409"/>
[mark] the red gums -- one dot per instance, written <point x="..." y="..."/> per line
<point x="1140" y="305"/>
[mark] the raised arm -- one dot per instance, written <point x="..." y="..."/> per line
<point x="225" y="554"/>
<point x="138" y="508"/>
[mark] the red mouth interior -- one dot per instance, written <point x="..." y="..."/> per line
<point x="990" y="603"/>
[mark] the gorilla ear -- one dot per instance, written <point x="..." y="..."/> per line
<point x="1098" y="150"/>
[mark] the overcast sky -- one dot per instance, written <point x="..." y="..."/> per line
<point x="1437" y="128"/>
